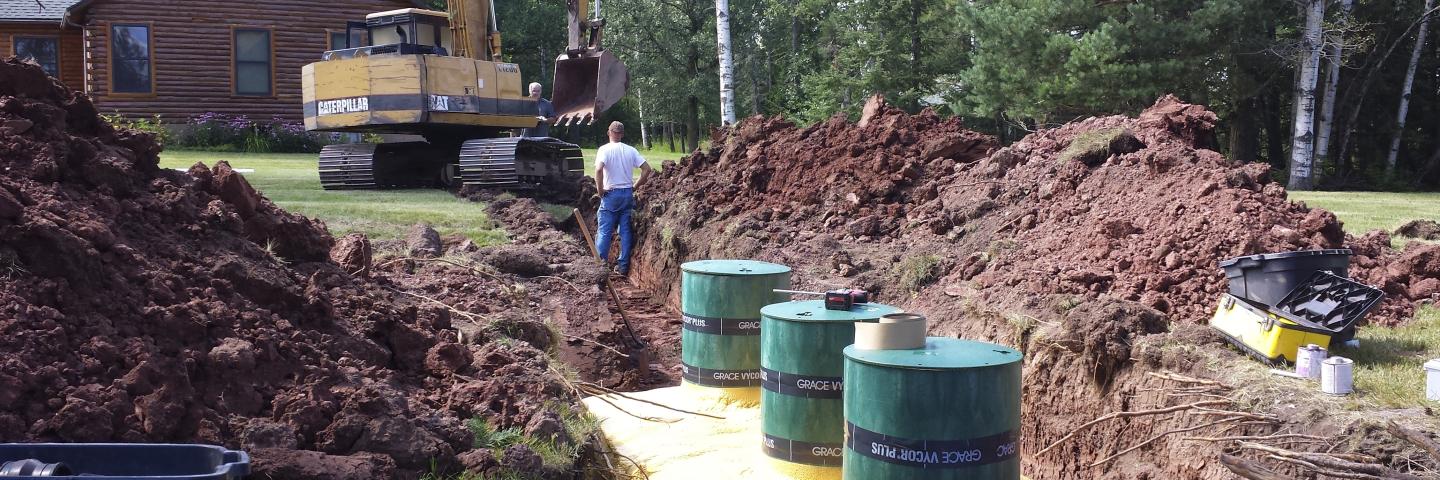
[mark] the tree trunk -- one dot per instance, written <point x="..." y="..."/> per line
<point x="1302" y="147"/>
<point x="1405" y="90"/>
<point x="727" y="66"/>
<point x="1275" y="133"/>
<point x="1244" y="143"/>
<point x="670" y="134"/>
<point x="1336" y="51"/>
<point x="640" y="105"/>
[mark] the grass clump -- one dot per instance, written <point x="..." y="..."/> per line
<point x="557" y="454"/>
<point x="1389" y="365"/>
<point x="917" y="271"/>
<point x="1091" y="145"/>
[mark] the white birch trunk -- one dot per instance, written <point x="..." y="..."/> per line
<point x="727" y="67"/>
<point x="1302" y="148"/>
<point x="1405" y="90"/>
<point x="644" y="133"/>
<point x="1327" y="106"/>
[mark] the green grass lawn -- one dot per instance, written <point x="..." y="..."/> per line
<point x="1365" y="211"/>
<point x="291" y="181"/>
<point x="1388" y="372"/>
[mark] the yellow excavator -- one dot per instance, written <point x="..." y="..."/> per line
<point x="439" y="75"/>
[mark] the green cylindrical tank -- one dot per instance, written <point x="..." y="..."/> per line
<point x="801" y="359"/>
<point x="720" y="302"/>
<point x="948" y="411"/>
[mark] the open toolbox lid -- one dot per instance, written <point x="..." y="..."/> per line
<point x="1333" y="302"/>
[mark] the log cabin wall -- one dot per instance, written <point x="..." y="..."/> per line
<point x="72" y="50"/>
<point x="192" y="52"/>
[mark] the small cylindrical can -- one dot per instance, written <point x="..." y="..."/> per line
<point x="1336" y="376"/>
<point x="1308" y="360"/>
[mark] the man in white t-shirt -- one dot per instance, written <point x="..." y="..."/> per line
<point x="615" y="165"/>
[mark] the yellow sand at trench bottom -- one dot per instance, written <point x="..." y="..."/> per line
<point x="681" y="446"/>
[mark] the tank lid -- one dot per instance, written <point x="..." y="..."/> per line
<point x="734" y="267"/>
<point x="940" y="353"/>
<point x="814" y="311"/>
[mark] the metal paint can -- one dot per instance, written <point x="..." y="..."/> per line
<point x="1308" y="360"/>
<point x="1336" y="376"/>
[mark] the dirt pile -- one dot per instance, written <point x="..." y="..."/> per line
<point x="1138" y="209"/>
<point x="147" y="305"/>
<point x="1421" y="229"/>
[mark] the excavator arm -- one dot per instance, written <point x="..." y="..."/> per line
<point x="588" y="79"/>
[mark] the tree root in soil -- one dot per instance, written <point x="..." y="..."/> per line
<point x="1136" y="413"/>
<point x="1419" y="439"/>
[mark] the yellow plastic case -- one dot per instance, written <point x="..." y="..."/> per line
<point x="1268" y="337"/>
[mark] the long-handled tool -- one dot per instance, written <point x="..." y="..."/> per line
<point x="842" y="299"/>
<point x="637" y="344"/>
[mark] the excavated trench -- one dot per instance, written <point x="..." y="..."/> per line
<point x="1092" y="247"/>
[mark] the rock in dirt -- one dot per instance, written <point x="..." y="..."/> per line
<point x="522" y="260"/>
<point x="422" y="241"/>
<point x="353" y="253"/>
<point x="1421" y="229"/>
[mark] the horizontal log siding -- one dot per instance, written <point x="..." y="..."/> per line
<point x="72" y="50"/>
<point x="192" y="52"/>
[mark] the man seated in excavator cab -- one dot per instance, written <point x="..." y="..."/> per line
<point x="441" y="76"/>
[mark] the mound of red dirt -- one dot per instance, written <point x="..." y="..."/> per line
<point x="1137" y="209"/>
<point x="146" y="305"/>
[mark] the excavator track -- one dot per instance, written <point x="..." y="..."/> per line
<point x="517" y="162"/>
<point x="348" y="166"/>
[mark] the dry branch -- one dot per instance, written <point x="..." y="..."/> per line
<point x="1248" y="469"/>
<point x="1416" y="437"/>
<point x="1328" y="463"/>
<point x="641" y="400"/>
<point x="1238" y="438"/>
<point x="1175" y="377"/>
<point x="1136" y="413"/>
<point x="1322" y="471"/>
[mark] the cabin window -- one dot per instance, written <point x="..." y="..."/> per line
<point x="393" y="34"/>
<point x="253" y="62"/>
<point x="132" y="69"/>
<point x="44" y="51"/>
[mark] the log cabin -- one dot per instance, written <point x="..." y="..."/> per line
<point x="181" y="58"/>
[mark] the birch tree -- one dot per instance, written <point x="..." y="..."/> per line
<point x="727" y="65"/>
<point x="1302" y="147"/>
<point x="1335" y="51"/>
<point x="1405" y="89"/>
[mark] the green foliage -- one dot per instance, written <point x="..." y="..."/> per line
<point x="220" y="132"/>
<point x="1047" y="58"/>
<point x="557" y="454"/>
<point x="152" y="125"/>
<point x="917" y="271"/>
<point x="487" y="436"/>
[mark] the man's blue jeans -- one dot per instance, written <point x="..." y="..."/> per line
<point x="615" y="208"/>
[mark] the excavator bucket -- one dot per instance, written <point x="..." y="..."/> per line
<point x="586" y="85"/>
